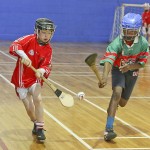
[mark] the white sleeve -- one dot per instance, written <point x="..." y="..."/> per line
<point x="21" y="53"/>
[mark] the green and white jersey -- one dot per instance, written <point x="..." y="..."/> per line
<point x="118" y="51"/>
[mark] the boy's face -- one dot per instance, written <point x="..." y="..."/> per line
<point x="130" y="34"/>
<point x="45" y="35"/>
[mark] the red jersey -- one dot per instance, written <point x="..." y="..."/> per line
<point x="146" y="17"/>
<point x="40" y="56"/>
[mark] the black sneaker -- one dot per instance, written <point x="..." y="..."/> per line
<point x="40" y="135"/>
<point x="109" y="134"/>
<point x="34" y="129"/>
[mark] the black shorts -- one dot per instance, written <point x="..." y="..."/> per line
<point x="125" y="80"/>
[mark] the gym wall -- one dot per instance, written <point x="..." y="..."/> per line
<point x="76" y="20"/>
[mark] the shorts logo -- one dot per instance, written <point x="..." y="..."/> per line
<point x="31" y="52"/>
<point x="135" y="73"/>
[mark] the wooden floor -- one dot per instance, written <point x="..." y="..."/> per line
<point x="80" y="127"/>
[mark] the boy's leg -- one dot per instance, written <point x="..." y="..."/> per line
<point x="127" y="84"/>
<point x="109" y="133"/>
<point x="35" y="91"/>
<point x="148" y="34"/>
<point x="144" y="31"/>
<point x="27" y="100"/>
<point x="28" y="103"/>
<point x="118" y="82"/>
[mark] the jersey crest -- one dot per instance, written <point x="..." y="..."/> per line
<point x="31" y="52"/>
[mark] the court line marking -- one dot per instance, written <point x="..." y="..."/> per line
<point x="54" y="97"/>
<point x="10" y="62"/>
<point x="148" y="148"/>
<point x="118" y="137"/>
<point x="3" y="145"/>
<point x="71" y="75"/>
<point x="148" y="97"/>
<point x="144" y="97"/>
<point x="144" y="134"/>
<point x="58" y="122"/>
<point x="62" y="64"/>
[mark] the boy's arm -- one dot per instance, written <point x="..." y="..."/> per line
<point x="127" y="67"/>
<point x="106" y="70"/>
<point x="16" y="50"/>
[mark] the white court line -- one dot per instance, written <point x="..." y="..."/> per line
<point x="72" y="75"/>
<point x="7" y="62"/>
<point x="67" y="129"/>
<point x="144" y="97"/>
<point x="98" y="97"/>
<point x="56" y="120"/>
<point x="7" y="81"/>
<point x="61" y="64"/>
<point x="94" y="105"/>
<point x="118" y="137"/>
<point x="66" y="53"/>
<point x="7" y="55"/>
<point x="148" y="148"/>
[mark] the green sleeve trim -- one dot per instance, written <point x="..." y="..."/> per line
<point x="142" y="64"/>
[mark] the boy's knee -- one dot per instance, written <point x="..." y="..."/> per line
<point x="123" y="102"/>
<point x="116" y="96"/>
<point x="37" y="100"/>
<point x="122" y="105"/>
<point x="148" y="31"/>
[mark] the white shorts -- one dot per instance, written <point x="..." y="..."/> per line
<point x="22" y="92"/>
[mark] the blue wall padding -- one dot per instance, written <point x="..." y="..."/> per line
<point x="76" y="20"/>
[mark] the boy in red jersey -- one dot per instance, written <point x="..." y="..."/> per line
<point x="146" y="22"/>
<point x="33" y="50"/>
<point x="124" y="56"/>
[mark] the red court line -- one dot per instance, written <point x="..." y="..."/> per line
<point x="2" y="145"/>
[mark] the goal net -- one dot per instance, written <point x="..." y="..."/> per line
<point x="120" y="12"/>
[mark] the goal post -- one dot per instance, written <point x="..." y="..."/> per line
<point x="120" y="12"/>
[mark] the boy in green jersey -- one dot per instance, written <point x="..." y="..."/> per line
<point x="124" y="57"/>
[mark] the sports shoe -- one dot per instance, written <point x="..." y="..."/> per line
<point x="34" y="129"/>
<point x="40" y="135"/>
<point x="109" y="134"/>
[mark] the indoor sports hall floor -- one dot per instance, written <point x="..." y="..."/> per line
<point x="80" y="127"/>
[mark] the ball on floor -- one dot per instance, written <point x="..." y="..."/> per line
<point x="81" y="95"/>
